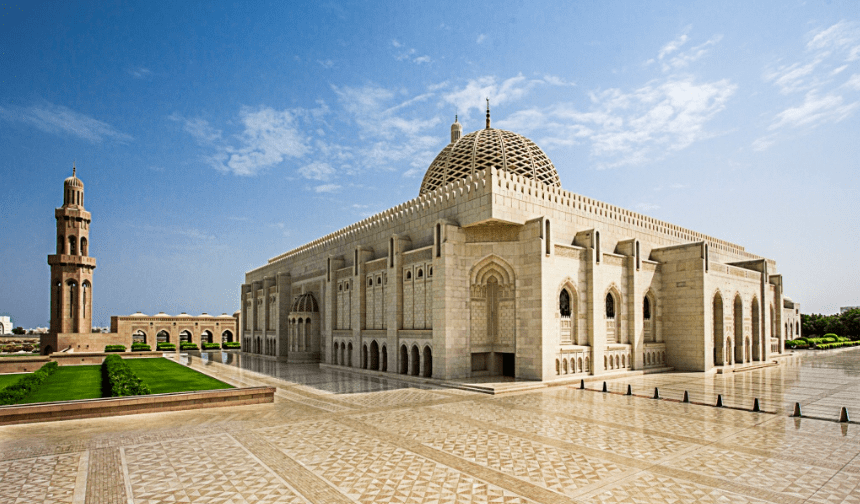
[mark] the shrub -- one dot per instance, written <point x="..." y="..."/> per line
<point x="114" y="348"/>
<point x="211" y="346"/>
<point x="231" y="345"/>
<point x="165" y="347"/>
<point x="16" y="392"/>
<point x="188" y="346"/>
<point x="140" y="347"/>
<point x="120" y="379"/>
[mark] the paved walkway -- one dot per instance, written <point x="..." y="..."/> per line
<point x="331" y="437"/>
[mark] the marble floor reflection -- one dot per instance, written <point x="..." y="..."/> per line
<point x="332" y="436"/>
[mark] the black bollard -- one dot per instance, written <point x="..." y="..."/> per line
<point x="656" y="393"/>
<point x="756" y="406"/>
<point x="797" y="412"/>
<point x="686" y="397"/>
<point x="604" y="387"/>
<point x="719" y="400"/>
<point x="581" y="384"/>
<point x="629" y="390"/>
<point x="843" y="415"/>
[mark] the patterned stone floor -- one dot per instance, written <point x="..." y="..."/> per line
<point x="334" y="437"/>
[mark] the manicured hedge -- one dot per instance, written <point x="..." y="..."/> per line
<point x="16" y="392"/>
<point x="798" y="343"/>
<point x="140" y="347"/>
<point x="826" y="346"/>
<point x="188" y="346"/>
<point x="114" y="348"/>
<point x="211" y="346"/>
<point x="165" y="346"/>
<point x="231" y="345"/>
<point x="120" y="379"/>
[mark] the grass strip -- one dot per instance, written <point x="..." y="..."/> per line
<point x="9" y="379"/>
<point x="164" y="376"/>
<point x="14" y="393"/>
<point x="67" y="384"/>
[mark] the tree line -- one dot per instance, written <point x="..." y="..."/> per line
<point x="842" y="324"/>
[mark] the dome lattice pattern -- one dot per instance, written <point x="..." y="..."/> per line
<point x="305" y="303"/>
<point x="489" y="147"/>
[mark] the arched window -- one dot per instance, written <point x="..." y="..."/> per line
<point x="430" y="272"/>
<point x="72" y="288"/>
<point x="564" y="303"/>
<point x="86" y="289"/>
<point x="646" y="308"/>
<point x="138" y="337"/>
<point x="226" y="337"/>
<point x="370" y="282"/>
<point x="162" y="337"/>
<point x="420" y="273"/>
<point x="409" y="275"/>
<point x="610" y="306"/>
<point x="61" y="244"/>
<point x="84" y="248"/>
<point x="73" y="245"/>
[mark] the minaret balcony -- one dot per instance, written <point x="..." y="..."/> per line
<point x="73" y="260"/>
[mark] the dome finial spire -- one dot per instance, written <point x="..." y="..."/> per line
<point x="456" y="130"/>
<point x="74" y="169"/>
<point x="488" y="113"/>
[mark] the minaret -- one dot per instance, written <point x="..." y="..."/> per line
<point x="456" y="130"/>
<point x="71" y="267"/>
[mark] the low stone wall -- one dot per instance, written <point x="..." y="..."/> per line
<point x="22" y="364"/>
<point x="28" y="364"/>
<point x="93" y="408"/>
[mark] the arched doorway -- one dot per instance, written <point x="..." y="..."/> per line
<point x="384" y="358"/>
<point x="758" y="345"/>
<point x="364" y="356"/>
<point x="719" y="336"/>
<point x="206" y="337"/>
<point x="349" y="354"/>
<point x="138" y="337"/>
<point x="739" y="330"/>
<point x="374" y="356"/>
<point x="162" y="337"/>
<point x="415" y="361"/>
<point x="492" y="305"/>
<point x="48" y="350"/>
<point x="185" y="337"/>
<point x="427" y="372"/>
<point x="226" y="337"/>
<point x="404" y="359"/>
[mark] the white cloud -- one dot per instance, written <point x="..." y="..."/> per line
<point x="684" y="58"/>
<point x="853" y="82"/>
<point x="269" y="136"/>
<point x="422" y="59"/>
<point x="646" y="207"/>
<point x="673" y="46"/>
<point x="475" y="92"/>
<point x="58" y="119"/>
<point x="815" y="110"/>
<point x="326" y="63"/>
<point x="630" y="128"/>
<point x="818" y="74"/>
<point x="139" y="72"/>
<point x="481" y="38"/>
<point x="317" y="171"/>
<point x="327" y="188"/>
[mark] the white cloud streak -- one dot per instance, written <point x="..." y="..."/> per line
<point x="57" y="119"/>
<point x="815" y="86"/>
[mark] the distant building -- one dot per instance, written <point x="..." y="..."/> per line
<point x="5" y="324"/>
<point x="847" y="308"/>
<point x="183" y="328"/>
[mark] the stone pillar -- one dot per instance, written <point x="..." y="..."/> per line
<point x="284" y="300"/>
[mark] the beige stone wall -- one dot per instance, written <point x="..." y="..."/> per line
<point x="539" y="239"/>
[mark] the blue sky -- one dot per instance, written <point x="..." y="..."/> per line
<point x="212" y="136"/>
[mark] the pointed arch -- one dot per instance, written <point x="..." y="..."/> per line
<point x="738" y="316"/>
<point x="492" y="265"/>
<point x="719" y="336"/>
<point x="566" y="294"/>
<point x="757" y="336"/>
<point x="649" y="316"/>
<point x="612" y="313"/>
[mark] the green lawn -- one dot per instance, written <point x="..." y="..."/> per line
<point x="9" y="379"/>
<point x="69" y="383"/>
<point x="164" y="375"/>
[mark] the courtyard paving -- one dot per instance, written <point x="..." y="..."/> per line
<point x="334" y="437"/>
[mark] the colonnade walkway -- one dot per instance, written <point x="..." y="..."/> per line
<point x="336" y="437"/>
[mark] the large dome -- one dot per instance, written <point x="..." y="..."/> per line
<point x="489" y="147"/>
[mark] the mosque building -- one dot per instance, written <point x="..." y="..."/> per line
<point x="494" y="269"/>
